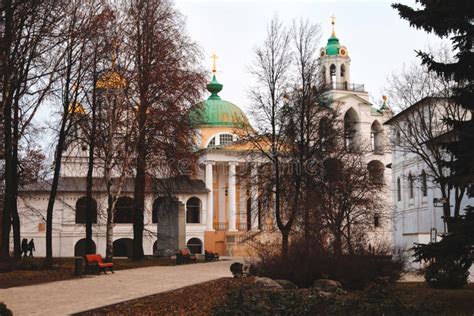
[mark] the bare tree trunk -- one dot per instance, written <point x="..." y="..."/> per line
<point x="139" y="193"/>
<point x="7" y="115"/>
<point x="109" y="235"/>
<point x="90" y="163"/>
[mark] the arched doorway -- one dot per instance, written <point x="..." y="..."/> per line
<point x="194" y="245"/>
<point x="123" y="247"/>
<point x="80" y="248"/>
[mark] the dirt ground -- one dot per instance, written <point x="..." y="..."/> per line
<point x="29" y="271"/>
<point x="199" y="299"/>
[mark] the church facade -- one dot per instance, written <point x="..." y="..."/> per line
<point x="219" y="207"/>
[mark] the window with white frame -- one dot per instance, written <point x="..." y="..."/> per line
<point x="226" y="138"/>
<point x="221" y="139"/>
<point x="411" y="191"/>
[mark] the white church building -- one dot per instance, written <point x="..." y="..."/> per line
<point x="220" y="206"/>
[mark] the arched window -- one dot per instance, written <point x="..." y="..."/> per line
<point x="332" y="76"/>
<point x="212" y="143"/>
<point x="225" y="139"/>
<point x="194" y="245"/>
<point x="351" y="120"/>
<point x="376" y="171"/>
<point x="398" y="138"/>
<point x="410" y="129"/>
<point x="124" y="210"/>
<point x="424" y="184"/>
<point x="399" y="190"/>
<point x="323" y="74"/>
<point x="411" y="192"/>
<point x="376" y="137"/>
<point x="326" y="134"/>
<point x="221" y="139"/>
<point x="343" y="70"/>
<point x="333" y="170"/>
<point x="81" y="209"/>
<point x="193" y="211"/>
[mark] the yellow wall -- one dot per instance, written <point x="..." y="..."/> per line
<point x="208" y="132"/>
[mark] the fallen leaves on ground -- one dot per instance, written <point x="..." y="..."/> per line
<point x="200" y="299"/>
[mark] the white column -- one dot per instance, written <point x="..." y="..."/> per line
<point x="232" y="216"/>
<point x="210" y="197"/>
<point x="254" y="196"/>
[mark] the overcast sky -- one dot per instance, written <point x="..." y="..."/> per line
<point x="378" y="41"/>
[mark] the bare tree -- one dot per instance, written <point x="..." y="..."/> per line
<point x="73" y="52"/>
<point x="26" y="81"/>
<point x="165" y="83"/>
<point x="271" y="69"/>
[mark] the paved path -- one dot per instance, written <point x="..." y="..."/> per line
<point x="72" y="296"/>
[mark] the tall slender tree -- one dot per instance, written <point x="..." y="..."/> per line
<point x="27" y="78"/>
<point x="166" y="82"/>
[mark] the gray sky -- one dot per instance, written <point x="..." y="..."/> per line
<point x="378" y="41"/>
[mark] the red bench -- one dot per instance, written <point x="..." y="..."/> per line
<point x="186" y="256"/>
<point x="97" y="262"/>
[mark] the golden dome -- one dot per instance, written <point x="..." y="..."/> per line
<point x="111" y="80"/>
<point x="76" y="108"/>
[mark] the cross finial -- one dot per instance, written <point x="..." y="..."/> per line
<point x="333" y="21"/>
<point x="214" y="57"/>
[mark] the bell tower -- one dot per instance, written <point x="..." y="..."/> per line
<point x="335" y="62"/>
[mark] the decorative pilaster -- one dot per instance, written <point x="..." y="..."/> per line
<point x="254" y="196"/>
<point x="232" y="215"/>
<point x="210" y="197"/>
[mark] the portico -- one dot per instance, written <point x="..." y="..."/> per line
<point x="232" y="198"/>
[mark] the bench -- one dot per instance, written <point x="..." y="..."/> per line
<point x="185" y="256"/>
<point x="211" y="256"/>
<point x="95" y="262"/>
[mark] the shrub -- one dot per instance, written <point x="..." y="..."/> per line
<point x="450" y="275"/>
<point x="303" y="266"/>
<point x="4" y="311"/>
<point x="450" y="258"/>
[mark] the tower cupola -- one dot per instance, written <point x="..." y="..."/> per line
<point x="335" y="62"/>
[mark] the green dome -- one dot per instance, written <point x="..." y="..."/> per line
<point x="333" y="46"/>
<point x="216" y="112"/>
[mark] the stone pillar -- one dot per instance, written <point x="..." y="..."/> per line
<point x="232" y="216"/>
<point x="254" y="196"/>
<point x="210" y="197"/>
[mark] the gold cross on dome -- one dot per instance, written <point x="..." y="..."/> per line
<point x="214" y="57"/>
<point x="333" y="21"/>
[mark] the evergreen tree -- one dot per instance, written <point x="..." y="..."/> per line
<point x="453" y="20"/>
<point x="451" y="258"/>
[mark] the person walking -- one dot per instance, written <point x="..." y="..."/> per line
<point x="24" y="248"/>
<point x="31" y="247"/>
